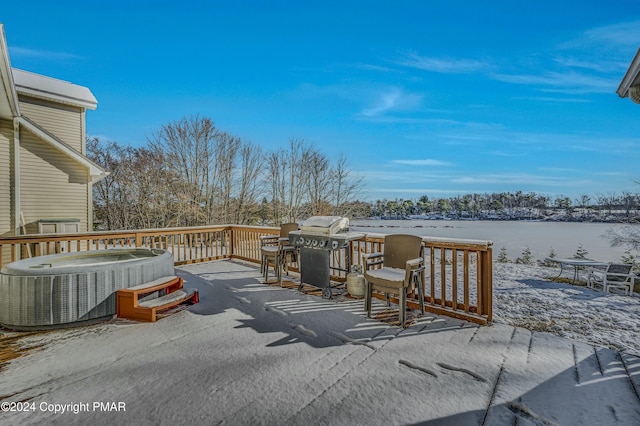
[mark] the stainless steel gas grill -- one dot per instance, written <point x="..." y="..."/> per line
<point x="317" y="239"/>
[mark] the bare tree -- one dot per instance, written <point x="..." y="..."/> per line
<point x="106" y="191"/>
<point x="248" y="184"/>
<point x="216" y="173"/>
<point x="583" y="201"/>
<point x="346" y="188"/>
<point x="139" y="191"/>
<point x="225" y="153"/>
<point x="318" y="183"/>
<point x="191" y="173"/>
<point x="628" y="201"/>
<point x="278" y="183"/>
<point x="189" y="144"/>
<point x="288" y="171"/>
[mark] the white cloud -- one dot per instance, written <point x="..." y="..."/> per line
<point x="593" y="61"/>
<point x="442" y="65"/>
<point x="379" y="100"/>
<point x="507" y="154"/>
<point x="398" y="174"/>
<point x="588" y="63"/>
<point x="393" y="99"/>
<point x="524" y="178"/>
<point x="40" y="54"/>
<point x="558" y="169"/>
<point x="553" y="99"/>
<point x="567" y="81"/>
<point x="614" y="174"/>
<point x="418" y="120"/>
<point x="416" y="192"/>
<point x="425" y="162"/>
<point x="585" y="64"/>
<point x="370" y="67"/>
<point x="622" y="34"/>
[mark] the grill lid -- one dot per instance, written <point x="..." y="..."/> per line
<point x="325" y="225"/>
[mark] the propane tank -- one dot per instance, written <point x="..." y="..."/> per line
<point x="355" y="282"/>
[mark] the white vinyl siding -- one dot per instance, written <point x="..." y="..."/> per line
<point x="63" y="121"/>
<point x="52" y="185"/>
<point x="6" y="149"/>
<point x="6" y="204"/>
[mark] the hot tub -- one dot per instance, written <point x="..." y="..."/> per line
<point x="63" y="289"/>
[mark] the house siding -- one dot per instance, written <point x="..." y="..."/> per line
<point x="52" y="186"/>
<point x="6" y="142"/>
<point x="63" y="121"/>
<point x="6" y="178"/>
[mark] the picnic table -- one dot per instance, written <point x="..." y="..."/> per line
<point x="577" y="265"/>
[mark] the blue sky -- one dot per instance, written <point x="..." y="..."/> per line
<point x="422" y="97"/>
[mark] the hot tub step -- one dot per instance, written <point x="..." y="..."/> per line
<point x="169" y="300"/>
<point x="129" y="306"/>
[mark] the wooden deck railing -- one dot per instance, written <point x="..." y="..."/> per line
<point x="458" y="276"/>
<point x="459" y="272"/>
<point x="188" y="245"/>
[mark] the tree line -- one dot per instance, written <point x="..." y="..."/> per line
<point x="515" y="205"/>
<point x="191" y="173"/>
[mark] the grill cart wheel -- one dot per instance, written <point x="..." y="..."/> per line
<point x="326" y="293"/>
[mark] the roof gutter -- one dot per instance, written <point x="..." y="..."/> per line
<point x="6" y="74"/>
<point x="96" y="172"/>
<point x="630" y="84"/>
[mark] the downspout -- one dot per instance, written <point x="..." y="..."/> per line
<point x="16" y="177"/>
<point x="83" y="151"/>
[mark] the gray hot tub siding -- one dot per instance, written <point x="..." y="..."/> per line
<point x="73" y="294"/>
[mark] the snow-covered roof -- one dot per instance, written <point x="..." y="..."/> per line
<point x="14" y="81"/>
<point x="630" y="84"/>
<point x="40" y="86"/>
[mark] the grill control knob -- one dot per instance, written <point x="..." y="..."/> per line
<point x="334" y="245"/>
<point x="301" y="241"/>
<point x="314" y="243"/>
<point x="323" y="243"/>
<point x="307" y="242"/>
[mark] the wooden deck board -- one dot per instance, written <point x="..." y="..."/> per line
<point x="321" y="361"/>
<point x="526" y="373"/>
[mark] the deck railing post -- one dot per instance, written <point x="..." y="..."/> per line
<point x="487" y="283"/>
<point x="232" y="245"/>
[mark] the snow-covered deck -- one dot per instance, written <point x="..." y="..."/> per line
<point x="250" y="353"/>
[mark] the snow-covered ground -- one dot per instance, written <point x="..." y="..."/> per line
<point x="525" y="296"/>
<point x="541" y="238"/>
